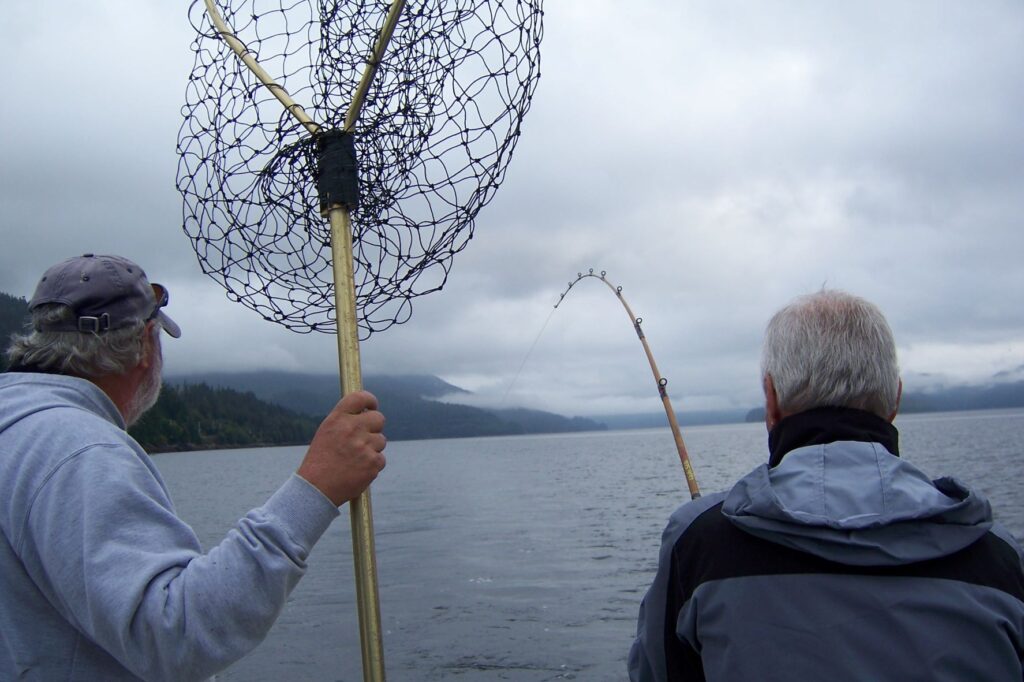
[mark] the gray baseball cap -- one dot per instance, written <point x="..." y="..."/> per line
<point x="105" y="292"/>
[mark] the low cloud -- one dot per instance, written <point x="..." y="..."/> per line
<point x="716" y="159"/>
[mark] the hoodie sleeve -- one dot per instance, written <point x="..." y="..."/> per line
<point x="104" y="544"/>
<point x="648" y="659"/>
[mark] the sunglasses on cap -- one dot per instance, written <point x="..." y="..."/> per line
<point x="162" y="299"/>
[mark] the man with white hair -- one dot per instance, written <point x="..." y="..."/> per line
<point x="99" y="578"/>
<point x="836" y="560"/>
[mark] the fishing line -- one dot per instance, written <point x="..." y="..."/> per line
<point x="527" y="356"/>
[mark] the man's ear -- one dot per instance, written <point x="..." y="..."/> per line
<point x="899" y="396"/>
<point x="772" y="413"/>
<point x="148" y="345"/>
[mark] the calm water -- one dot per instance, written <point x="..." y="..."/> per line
<point x="523" y="558"/>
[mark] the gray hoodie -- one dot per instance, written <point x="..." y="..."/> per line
<point x="843" y="562"/>
<point x="99" y="578"/>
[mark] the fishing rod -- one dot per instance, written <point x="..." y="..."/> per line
<point x="662" y="382"/>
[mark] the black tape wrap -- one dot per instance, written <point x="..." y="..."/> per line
<point x="337" y="173"/>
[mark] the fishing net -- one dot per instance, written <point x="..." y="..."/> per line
<point x="435" y="134"/>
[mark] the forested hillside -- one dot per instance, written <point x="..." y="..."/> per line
<point x="198" y="417"/>
<point x="412" y="404"/>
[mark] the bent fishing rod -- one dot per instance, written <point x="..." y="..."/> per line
<point x="662" y="382"/>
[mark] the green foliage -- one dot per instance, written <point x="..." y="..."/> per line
<point x="198" y="417"/>
<point x="13" y="313"/>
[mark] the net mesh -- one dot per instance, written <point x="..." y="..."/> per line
<point x="437" y="130"/>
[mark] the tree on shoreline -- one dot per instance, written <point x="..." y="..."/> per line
<point x="13" y="314"/>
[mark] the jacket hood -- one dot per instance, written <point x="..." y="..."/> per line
<point x="24" y="393"/>
<point x="856" y="503"/>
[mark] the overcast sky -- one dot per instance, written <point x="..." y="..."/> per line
<point x="715" y="158"/>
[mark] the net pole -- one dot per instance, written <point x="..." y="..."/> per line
<point x="361" y="512"/>
<point x="360" y="509"/>
<point x="247" y="57"/>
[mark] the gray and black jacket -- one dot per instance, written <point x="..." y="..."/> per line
<point x="834" y="561"/>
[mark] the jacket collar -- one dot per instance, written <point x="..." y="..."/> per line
<point x="828" y="425"/>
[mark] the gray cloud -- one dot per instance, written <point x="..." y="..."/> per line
<point x="715" y="158"/>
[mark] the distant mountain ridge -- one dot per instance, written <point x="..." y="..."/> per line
<point x="414" y="411"/>
<point x="986" y="397"/>
<point x="316" y="394"/>
<point x="998" y="395"/>
<point x="409" y="402"/>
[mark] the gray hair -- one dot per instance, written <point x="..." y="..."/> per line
<point x="82" y="354"/>
<point x="831" y="349"/>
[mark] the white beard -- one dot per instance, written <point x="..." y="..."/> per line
<point x="149" y="389"/>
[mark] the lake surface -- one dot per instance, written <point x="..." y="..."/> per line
<point x="524" y="558"/>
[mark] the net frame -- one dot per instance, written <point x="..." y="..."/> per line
<point x="437" y="131"/>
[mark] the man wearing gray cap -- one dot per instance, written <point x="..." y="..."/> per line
<point x="99" y="578"/>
